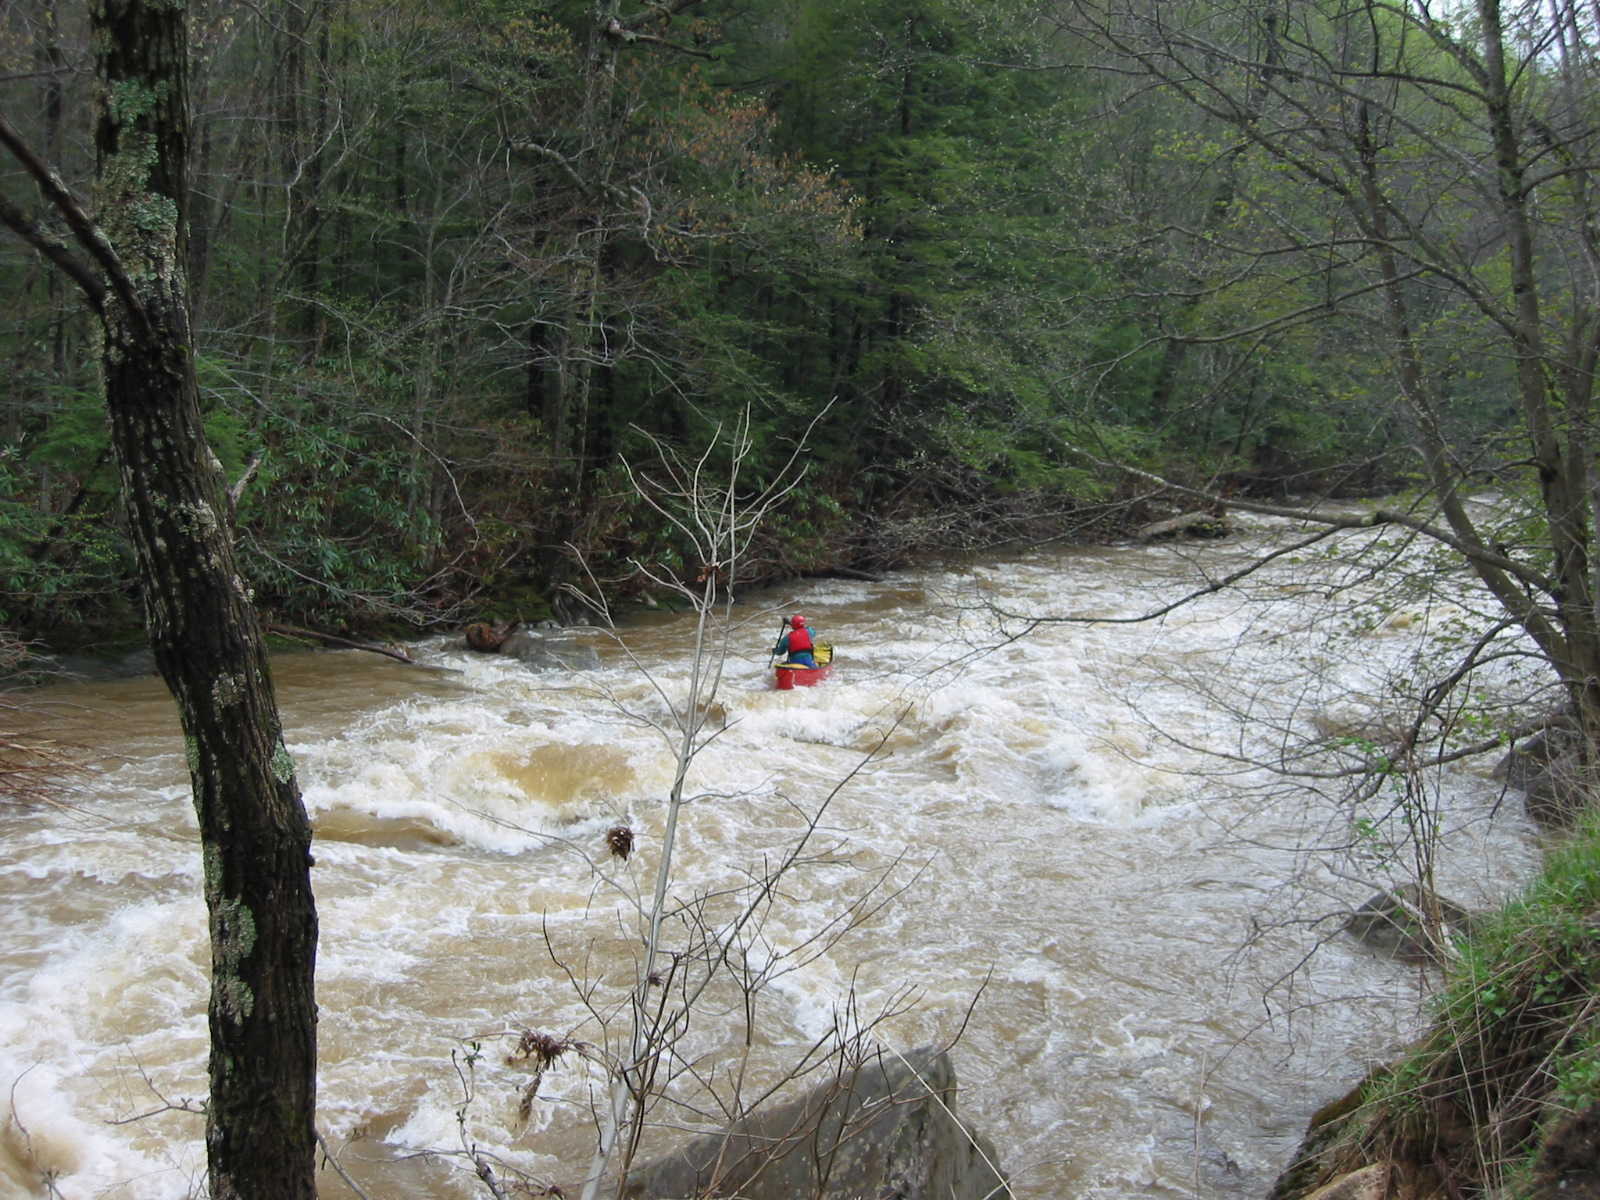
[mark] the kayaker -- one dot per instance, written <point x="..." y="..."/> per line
<point x="796" y="645"/>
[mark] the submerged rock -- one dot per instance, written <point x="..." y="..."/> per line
<point x="545" y="645"/>
<point x="886" y="1130"/>
<point x="553" y="649"/>
<point x="1394" y="923"/>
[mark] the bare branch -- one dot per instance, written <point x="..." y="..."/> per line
<point x="88" y="235"/>
<point x="1334" y="521"/>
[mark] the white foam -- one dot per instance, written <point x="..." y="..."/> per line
<point x="456" y="831"/>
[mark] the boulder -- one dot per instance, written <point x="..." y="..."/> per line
<point x="886" y="1130"/>
<point x="486" y="638"/>
<point x="1369" y="1183"/>
<point x="1318" y="1162"/>
<point x="551" y="649"/>
<point x="1392" y="922"/>
<point x="1547" y="768"/>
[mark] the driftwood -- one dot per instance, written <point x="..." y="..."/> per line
<point x="244" y="480"/>
<point x="1204" y="524"/>
<point x="334" y="640"/>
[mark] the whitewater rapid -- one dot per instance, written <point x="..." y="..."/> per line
<point x="1072" y="842"/>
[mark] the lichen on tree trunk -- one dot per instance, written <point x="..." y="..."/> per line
<point x="254" y="834"/>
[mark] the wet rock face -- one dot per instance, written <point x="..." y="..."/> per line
<point x="1396" y="923"/>
<point x="543" y="646"/>
<point x="886" y="1130"/>
<point x="1548" y="769"/>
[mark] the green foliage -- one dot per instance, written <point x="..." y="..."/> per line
<point x="333" y="513"/>
<point x="445" y="298"/>
<point x="1578" y="1083"/>
<point x="63" y="560"/>
<point x="76" y="440"/>
<point x="1515" y="1032"/>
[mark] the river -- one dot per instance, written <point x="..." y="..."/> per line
<point x="1071" y="875"/>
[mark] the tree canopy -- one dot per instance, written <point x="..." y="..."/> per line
<point x="451" y="265"/>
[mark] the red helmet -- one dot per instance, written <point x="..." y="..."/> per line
<point x="797" y="621"/>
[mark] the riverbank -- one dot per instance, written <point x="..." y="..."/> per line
<point x="1501" y="1096"/>
<point x="108" y="641"/>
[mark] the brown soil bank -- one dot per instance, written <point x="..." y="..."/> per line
<point x="1502" y="1096"/>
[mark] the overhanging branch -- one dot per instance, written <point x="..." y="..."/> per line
<point x="631" y="28"/>
<point x="55" y="251"/>
<point x="85" y="232"/>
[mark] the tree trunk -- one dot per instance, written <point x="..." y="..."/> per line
<point x="1562" y="461"/>
<point x="254" y="836"/>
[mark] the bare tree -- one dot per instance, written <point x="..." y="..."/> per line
<point x="680" y="1044"/>
<point x="1444" y="203"/>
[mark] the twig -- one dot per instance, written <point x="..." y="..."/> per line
<point x="335" y="640"/>
<point x="329" y="1159"/>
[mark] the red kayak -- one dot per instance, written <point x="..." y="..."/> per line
<point x="791" y="675"/>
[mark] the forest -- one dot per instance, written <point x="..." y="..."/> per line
<point x="377" y="317"/>
<point x="451" y="265"/>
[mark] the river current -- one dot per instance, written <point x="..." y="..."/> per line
<point x="1085" y="883"/>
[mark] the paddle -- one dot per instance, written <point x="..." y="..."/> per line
<point x="784" y="624"/>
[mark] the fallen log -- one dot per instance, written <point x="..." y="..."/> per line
<point x="1204" y="524"/>
<point x="294" y="631"/>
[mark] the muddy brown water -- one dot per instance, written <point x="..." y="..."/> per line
<point x="1075" y="882"/>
